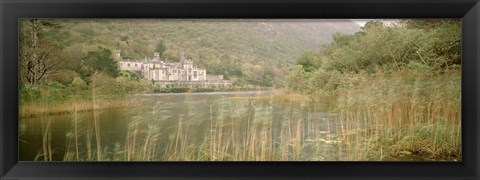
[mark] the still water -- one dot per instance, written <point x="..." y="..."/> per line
<point x="183" y="127"/>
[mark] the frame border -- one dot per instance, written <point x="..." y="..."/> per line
<point x="468" y="10"/>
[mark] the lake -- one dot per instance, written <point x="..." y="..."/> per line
<point x="249" y="125"/>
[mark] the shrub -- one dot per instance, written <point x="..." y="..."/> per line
<point x="79" y="83"/>
<point x="29" y="93"/>
<point x="56" y="85"/>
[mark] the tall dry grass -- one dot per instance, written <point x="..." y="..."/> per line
<point x="394" y="115"/>
<point x="42" y="108"/>
<point x="236" y="129"/>
<point x="376" y="117"/>
<point x="248" y="129"/>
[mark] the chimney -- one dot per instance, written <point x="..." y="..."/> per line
<point x="156" y="56"/>
<point x="182" y="57"/>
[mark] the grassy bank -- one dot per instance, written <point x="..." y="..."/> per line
<point x="402" y="113"/>
<point x="63" y="103"/>
<point x="56" y="98"/>
<point x="34" y="109"/>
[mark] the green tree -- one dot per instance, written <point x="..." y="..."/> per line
<point x="310" y="61"/>
<point x="428" y="24"/>
<point x="372" y="25"/>
<point x="100" y="60"/>
<point x="296" y="79"/>
<point x="125" y="39"/>
<point x="267" y="77"/>
<point x="160" y="48"/>
<point x="342" y="39"/>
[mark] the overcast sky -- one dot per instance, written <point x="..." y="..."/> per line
<point x="362" y="22"/>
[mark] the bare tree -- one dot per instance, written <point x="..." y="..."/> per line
<point x="37" y="58"/>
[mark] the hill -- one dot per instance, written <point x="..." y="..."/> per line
<point x="247" y="51"/>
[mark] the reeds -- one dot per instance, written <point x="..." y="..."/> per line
<point x="245" y="130"/>
<point x="381" y="117"/>
<point x="394" y="115"/>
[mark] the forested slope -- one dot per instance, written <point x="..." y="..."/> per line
<point x="246" y="51"/>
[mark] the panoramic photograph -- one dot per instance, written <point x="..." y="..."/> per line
<point x="239" y="90"/>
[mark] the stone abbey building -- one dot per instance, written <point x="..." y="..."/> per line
<point x="178" y="74"/>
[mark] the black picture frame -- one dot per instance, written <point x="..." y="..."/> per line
<point x="467" y="10"/>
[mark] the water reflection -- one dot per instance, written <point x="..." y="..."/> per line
<point x="187" y="126"/>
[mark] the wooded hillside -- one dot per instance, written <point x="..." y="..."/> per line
<point x="249" y="52"/>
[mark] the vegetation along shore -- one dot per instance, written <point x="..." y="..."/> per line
<point x="337" y="91"/>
